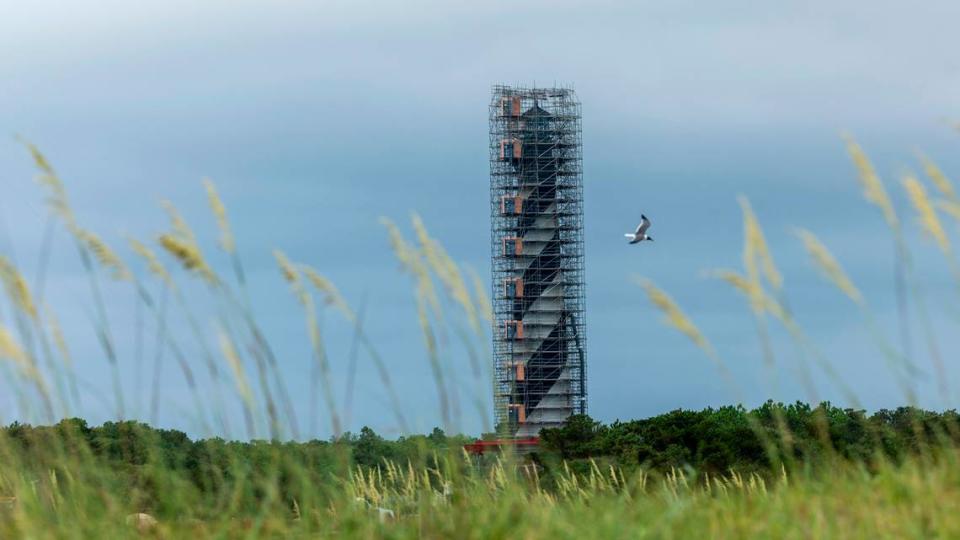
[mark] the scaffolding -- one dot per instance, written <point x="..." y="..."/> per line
<point x="536" y="209"/>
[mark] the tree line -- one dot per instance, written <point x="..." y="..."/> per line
<point x="717" y="440"/>
<point x="151" y="462"/>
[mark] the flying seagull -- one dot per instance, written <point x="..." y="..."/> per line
<point x="641" y="233"/>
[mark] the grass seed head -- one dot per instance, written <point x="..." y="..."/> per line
<point x="11" y="350"/>
<point x="828" y="265"/>
<point x="755" y="249"/>
<point x="179" y="225"/>
<point x="103" y="254"/>
<point x="47" y="178"/>
<point x="189" y="256"/>
<point x="926" y="214"/>
<point x="760" y="302"/>
<point x="480" y="292"/>
<point x="17" y="288"/>
<point x="292" y="276"/>
<point x="56" y="332"/>
<point x="153" y="263"/>
<point x="674" y="316"/>
<point x="951" y="208"/>
<point x="236" y="366"/>
<point x="325" y="287"/>
<point x="447" y="271"/>
<point x="220" y="213"/>
<point x="940" y="180"/>
<point x="873" y="189"/>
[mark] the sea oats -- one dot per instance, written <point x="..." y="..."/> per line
<point x="17" y="288"/>
<point x="760" y="302"/>
<point x="331" y="295"/>
<point x="236" y="366"/>
<point x="674" y="316"/>
<point x="292" y="276"/>
<point x="412" y="261"/>
<point x="153" y="263"/>
<point x="828" y="265"/>
<point x="11" y="350"/>
<point x="447" y="270"/>
<point x="951" y="208"/>
<point x="480" y="292"/>
<point x="189" y="256"/>
<point x="755" y="247"/>
<point x="56" y="333"/>
<point x="457" y="288"/>
<point x="38" y="158"/>
<point x="290" y="273"/>
<point x="400" y="247"/>
<point x="56" y="192"/>
<point x="181" y="243"/>
<point x="102" y="253"/>
<point x="873" y="189"/>
<point x="926" y="214"/>
<point x="180" y="227"/>
<point x="944" y="186"/>
<point x="220" y="213"/>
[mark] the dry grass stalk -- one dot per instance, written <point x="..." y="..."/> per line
<point x="480" y="292"/>
<point x="828" y="265"/>
<point x="11" y="350"/>
<point x="951" y="208"/>
<point x="189" y="256"/>
<point x="926" y="214"/>
<point x="56" y="333"/>
<point x="236" y="366"/>
<point x="181" y="243"/>
<point x="412" y="261"/>
<point x="179" y="225"/>
<point x="873" y="189"/>
<point x="103" y="254"/>
<point x="153" y="263"/>
<point x="331" y="296"/>
<point x="448" y="272"/>
<point x="292" y="276"/>
<point x="940" y="180"/>
<point x="56" y="192"/>
<point x="755" y="249"/>
<point x="759" y="300"/>
<point x="674" y="316"/>
<point x="220" y="213"/>
<point x="17" y="288"/>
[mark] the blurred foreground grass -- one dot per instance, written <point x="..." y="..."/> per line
<point x="59" y="488"/>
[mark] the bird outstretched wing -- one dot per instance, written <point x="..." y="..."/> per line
<point x="644" y="225"/>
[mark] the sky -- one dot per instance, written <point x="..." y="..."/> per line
<point x="316" y="119"/>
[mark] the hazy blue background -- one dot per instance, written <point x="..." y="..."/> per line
<point x="315" y="119"/>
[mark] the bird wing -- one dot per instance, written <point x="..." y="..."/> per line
<point x="644" y="224"/>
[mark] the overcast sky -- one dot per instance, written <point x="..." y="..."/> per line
<point x="316" y="119"/>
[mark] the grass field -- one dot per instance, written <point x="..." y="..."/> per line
<point x="60" y="488"/>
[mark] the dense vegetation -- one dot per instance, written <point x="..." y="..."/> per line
<point x="710" y="441"/>
<point x="731" y="438"/>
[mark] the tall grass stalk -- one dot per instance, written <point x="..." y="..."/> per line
<point x="824" y="260"/>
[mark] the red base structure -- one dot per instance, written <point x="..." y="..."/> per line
<point x="478" y="447"/>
